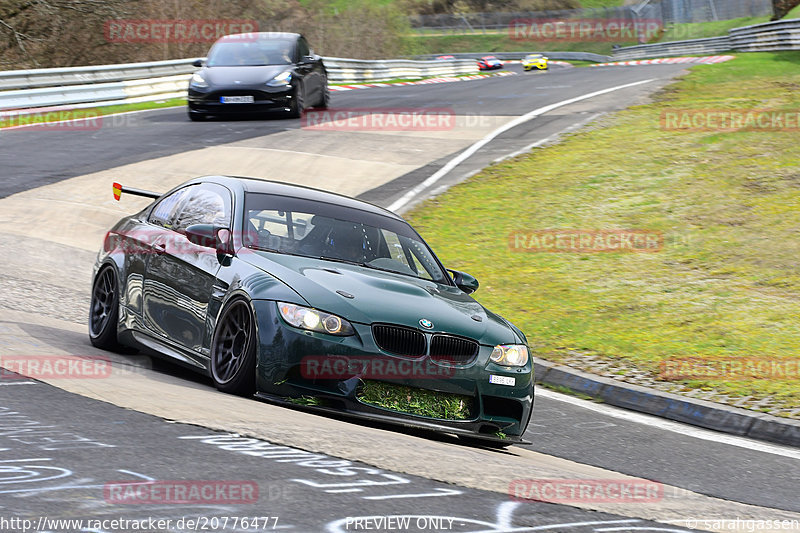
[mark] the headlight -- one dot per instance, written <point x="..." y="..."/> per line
<point x="510" y="355"/>
<point x="198" y="80"/>
<point x="284" y="78"/>
<point x="313" y="320"/>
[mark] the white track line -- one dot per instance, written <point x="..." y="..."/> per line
<point x="670" y="425"/>
<point x="410" y="195"/>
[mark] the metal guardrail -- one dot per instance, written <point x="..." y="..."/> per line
<point x="515" y="56"/>
<point x="712" y="45"/>
<point x="341" y="70"/>
<point x="766" y="37"/>
<point x="136" y="82"/>
<point x="52" y="77"/>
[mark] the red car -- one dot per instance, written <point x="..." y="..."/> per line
<point x="489" y="63"/>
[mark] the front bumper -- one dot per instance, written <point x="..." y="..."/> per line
<point x="496" y="408"/>
<point x="538" y="66"/>
<point x="265" y="99"/>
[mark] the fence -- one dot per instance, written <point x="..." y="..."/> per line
<point x="665" y="11"/>
<point x="767" y="37"/>
<point x="137" y="82"/>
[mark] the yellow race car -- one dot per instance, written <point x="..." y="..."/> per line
<point x="534" y="61"/>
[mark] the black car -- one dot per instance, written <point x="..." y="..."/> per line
<point x="251" y="73"/>
<point x="304" y="297"/>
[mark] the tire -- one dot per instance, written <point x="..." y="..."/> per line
<point x="298" y="105"/>
<point x="104" y="310"/>
<point x="325" y="99"/>
<point x="233" y="349"/>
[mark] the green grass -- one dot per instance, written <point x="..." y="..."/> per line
<point x="793" y="14"/>
<point x="307" y="400"/>
<point x="726" y="284"/>
<point x="701" y="30"/>
<point x="90" y="112"/>
<point x="478" y="43"/>
<point x="415" y="401"/>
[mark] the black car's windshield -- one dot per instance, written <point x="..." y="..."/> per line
<point x="251" y="52"/>
<point x="327" y="231"/>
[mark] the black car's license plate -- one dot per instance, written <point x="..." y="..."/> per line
<point x="237" y="99"/>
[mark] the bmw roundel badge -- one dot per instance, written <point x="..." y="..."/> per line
<point x="425" y="323"/>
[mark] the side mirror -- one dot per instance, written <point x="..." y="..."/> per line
<point x="308" y="59"/>
<point x="210" y="236"/>
<point x="464" y="281"/>
<point x="198" y="62"/>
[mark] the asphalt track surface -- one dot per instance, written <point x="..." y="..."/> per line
<point x="140" y="446"/>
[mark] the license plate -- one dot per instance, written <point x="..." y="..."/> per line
<point x="237" y="99"/>
<point x="502" y="380"/>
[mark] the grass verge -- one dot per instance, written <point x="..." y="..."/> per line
<point x="724" y="287"/>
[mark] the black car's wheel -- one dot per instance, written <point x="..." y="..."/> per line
<point x="298" y="105"/>
<point x="104" y="310"/>
<point x="233" y="349"/>
<point x="325" y="98"/>
<point x="194" y="116"/>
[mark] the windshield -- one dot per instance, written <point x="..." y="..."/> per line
<point x="327" y="231"/>
<point x="251" y="53"/>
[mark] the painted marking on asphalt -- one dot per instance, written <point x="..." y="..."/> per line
<point x="669" y="425"/>
<point x="546" y="140"/>
<point x="466" y="154"/>
<point x="640" y="529"/>
<point x="438" y="492"/>
<point x="136" y="474"/>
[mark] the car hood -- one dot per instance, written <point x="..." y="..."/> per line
<point x="380" y="296"/>
<point x="243" y="75"/>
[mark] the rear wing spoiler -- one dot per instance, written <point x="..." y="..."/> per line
<point x="119" y="189"/>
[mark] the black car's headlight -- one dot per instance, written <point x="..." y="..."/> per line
<point x="198" y="81"/>
<point x="281" y="80"/>
<point x="510" y="355"/>
<point x="313" y="320"/>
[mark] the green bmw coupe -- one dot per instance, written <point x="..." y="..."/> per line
<point x="308" y="298"/>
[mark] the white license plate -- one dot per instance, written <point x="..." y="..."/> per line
<point x="237" y="99"/>
<point x="502" y="380"/>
